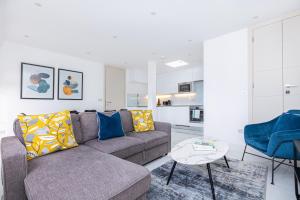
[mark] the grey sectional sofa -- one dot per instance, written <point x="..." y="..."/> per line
<point x="109" y="169"/>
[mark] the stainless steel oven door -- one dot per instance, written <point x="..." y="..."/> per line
<point x="196" y="114"/>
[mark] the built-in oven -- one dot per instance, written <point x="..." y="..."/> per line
<point x="196" y="114"/>
<point x="185" y="87"/>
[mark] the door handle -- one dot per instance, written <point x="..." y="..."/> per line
<point x="290" y="86"/>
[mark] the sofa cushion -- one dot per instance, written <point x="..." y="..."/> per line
<point x="76" y="129"/>
<point x="84" y="173"/>
<point x="121" y="147"/>
<point x="89" y="126"/>
<point x="151" y="138"/>
<point x="126" y="118"/>
<point x="111" y="126"/>
<point x="47" y="133"/>
<point x="142" y="120"/>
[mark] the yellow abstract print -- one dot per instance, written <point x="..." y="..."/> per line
<point x="47" y="133"/>
<point x="142" y="120"/>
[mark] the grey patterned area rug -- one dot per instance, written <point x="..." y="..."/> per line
<point x="242" y="181"/>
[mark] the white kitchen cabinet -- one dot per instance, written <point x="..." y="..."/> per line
<point x="168" y="82"/>
<point x="173" y="115"/>
<point x="176" y="115"/>
<point x="197" y="73"/>
<point x="166" y="86"/>
<point x="137" y="76"/>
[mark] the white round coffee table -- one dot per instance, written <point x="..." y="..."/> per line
<point x="187" y="153"/>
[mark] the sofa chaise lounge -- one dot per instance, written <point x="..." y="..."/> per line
<point x="109" y="169"/>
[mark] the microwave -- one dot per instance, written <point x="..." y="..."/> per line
<point x="185" y="87"/>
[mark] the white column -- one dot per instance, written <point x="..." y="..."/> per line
<point x="226" y="87"/>
<point x="152" y="87"/>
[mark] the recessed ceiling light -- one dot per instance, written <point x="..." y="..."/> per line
<point x="153" y="13"/>
<point x="38" y="4"/>
<point x="177" y="63"/>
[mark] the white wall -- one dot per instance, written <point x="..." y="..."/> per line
<point x="226" y="86"/>
<point x="11" y="56"/>
<point x="2" y="21"/>
<point x="168" y="82"/>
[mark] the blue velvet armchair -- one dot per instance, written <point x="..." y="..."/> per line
<point x="274" y="138"/>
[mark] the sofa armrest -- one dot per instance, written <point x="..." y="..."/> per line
<point x="14" y="168"/>
<point x="164" y="127"/>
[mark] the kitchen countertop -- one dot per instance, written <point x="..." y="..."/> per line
<point x="137" y="106"/>
<point x="165" y="106"/>
<point x="179" y="105"/>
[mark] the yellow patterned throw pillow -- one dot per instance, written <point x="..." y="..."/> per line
<point x="142" y="120"/>
<point x="47" y="133"/>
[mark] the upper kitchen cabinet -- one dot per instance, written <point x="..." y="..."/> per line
<point x="136" y="88"/>
<point x="168" y="82"/>
<point x="137" y="76"/>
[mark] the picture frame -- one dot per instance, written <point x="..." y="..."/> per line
<point x="70" y="85"/>
<point x="37" y="82"/>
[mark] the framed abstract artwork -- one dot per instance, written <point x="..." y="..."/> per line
<point x="70" y="85"/>
<point x="37" y="82"/>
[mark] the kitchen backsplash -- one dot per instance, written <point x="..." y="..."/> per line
<point x="192" y="98"/>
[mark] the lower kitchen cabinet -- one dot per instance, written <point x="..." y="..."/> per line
<point x="176" y="115"/>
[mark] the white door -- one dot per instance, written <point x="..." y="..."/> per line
<point x="267" y="72"/>
<point x="291" y="63"/>
<point x="114" y="88"/>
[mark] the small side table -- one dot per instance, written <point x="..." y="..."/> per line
<point x="296" y="168"/>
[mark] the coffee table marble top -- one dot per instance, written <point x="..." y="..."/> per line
<point x="184" y="152"/>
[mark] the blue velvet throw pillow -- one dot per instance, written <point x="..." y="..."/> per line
<point x="287" y="121"/>
<point x="109" y="126"/>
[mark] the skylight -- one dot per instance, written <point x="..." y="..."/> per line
<point x="177" y="63"/>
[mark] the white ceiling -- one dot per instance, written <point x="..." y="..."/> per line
<point x="144" y="29"/>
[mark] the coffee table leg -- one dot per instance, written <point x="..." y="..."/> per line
<point x="211" y="181"/>
<point x="171" y="173"/>
<point x="226" y="161"/>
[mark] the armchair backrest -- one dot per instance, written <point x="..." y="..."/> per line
<point x="294" y="111"/>
<point x="288" y="121"/>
